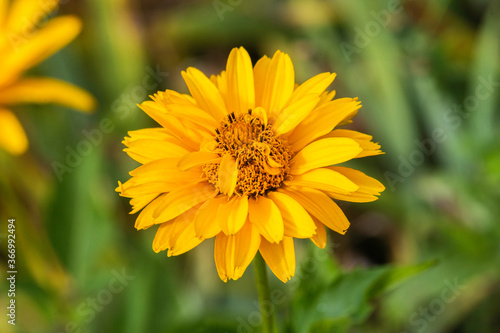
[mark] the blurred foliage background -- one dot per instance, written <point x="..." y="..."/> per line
<point x="423" y="258"/>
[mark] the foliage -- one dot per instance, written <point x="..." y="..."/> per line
<point x="428" y="75"/>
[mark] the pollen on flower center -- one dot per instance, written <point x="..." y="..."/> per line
<point x="262" y="157"/>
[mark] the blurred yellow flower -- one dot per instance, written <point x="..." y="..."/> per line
<point x="247" y="158"/>
<point x="25" y="40"/>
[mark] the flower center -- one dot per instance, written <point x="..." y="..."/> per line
<point x="261" y="156"/>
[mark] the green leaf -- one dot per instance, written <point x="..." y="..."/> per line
<point x="347" y="298"/>
<point x="483" y="80"/>
<point x="396" y="275"/>
<point x="340" y="325"/>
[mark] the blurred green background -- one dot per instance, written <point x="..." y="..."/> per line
<point x="423" y="258"/>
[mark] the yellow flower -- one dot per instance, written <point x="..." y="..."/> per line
<point x="26" y="40"/>
<point x="247" y="158"/>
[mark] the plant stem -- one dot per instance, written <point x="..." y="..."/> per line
<point x="268" y="318"/>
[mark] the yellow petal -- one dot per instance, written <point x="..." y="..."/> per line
<point x="315" y="85"/>
<point x="369" y="147"/>
<point x="148" y="133"/>
<point x="207" y="96"/>
<point x="220" y="254"/>
<point x="321" y="121"/>
<point x="183" y="199"/>
<point x="322" y="153"/>
<point x="161" y="241"/>
<point x="213" y="78"/>
<point x="279" y="257"/>
<point x="297" y="222"/>
<point x="241" y="94"/>
<point x="139" y="203"/>
<point x="205" y="221"/>
<point x="12" y="136"/>
<point x="279" y="84"/>
<point x="184" y="108"/>
<point x="155" y="111"/>
<point x="184" y="105"/>
<point x="4" y="7"/>
<point x="220" y="81"/>
<point x="45" y="90"/>
<point x="197" y="158"/>
<point x="247" y="243"/>
<point x="320" y="206"/>
<point x="365" y="183"/>
<point x="326" y="97"/>
<point x="357" y="196"/>
<point x="157" y="134"/>
<point x="272" y="163"/>
<point x="164" y="169"/>
<point x="266" y="217"/>
<point x="325" y="180"/>
<point x="147" y="150"/>
<point x="131" y="189"/>
<point x="227" y="174"/>
<point x="177" y="236"/>
<point x="234" y="253"/>
<point x="232" y="215"/>
<point x="293" y="114"/>
<point x="171" y="124"/>
<point x="145" y="218"/>
<point x="183" y="240"/>
<point x="25" y="15"/>
<point x="348" y="118"/>
<point x="53" y="36"/>
<point x="260" y="76"/>
<point x="319" y="239"/>
<point x="369" y="187"/>
<point x="150" y="180"/>
<point x="260" y="113"/>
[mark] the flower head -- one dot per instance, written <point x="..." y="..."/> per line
<point x="248" y="158"/>
<point x="26" y="40"/>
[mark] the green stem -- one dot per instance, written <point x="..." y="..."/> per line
<point x="268" y="318"/>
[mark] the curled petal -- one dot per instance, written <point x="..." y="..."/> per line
<point x="280" y="257"/>
<point x="266" y="217"/>
<point x="234" y="253"/>
<point x="205" y="221"/>
<point x="183" y="199"/>
<point x="232" y="215"/>
<point x="297" y="222"/>
<point x="178" y="236"/>
<point x="228" y="174"/>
